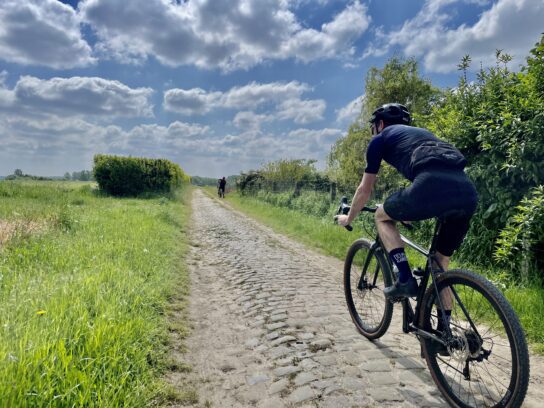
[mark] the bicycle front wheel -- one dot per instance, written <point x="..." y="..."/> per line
<point x="364" y="281"/>
<point x="486" y="361"/>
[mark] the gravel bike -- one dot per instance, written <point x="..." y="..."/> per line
<point x="477" y="359"/>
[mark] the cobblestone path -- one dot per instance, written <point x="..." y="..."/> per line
<point x="271" y="329"/>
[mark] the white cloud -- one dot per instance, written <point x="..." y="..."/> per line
<point x="198" y="101"/>
<point x="80" y="96"/>
<point x="285" y="97"/>
<point x="70" y="143"/>
<point x="255" y="94"/>
<point x="42" y="32"/>
<point x="190" y="101"/>
<point x="351" y="111"/>
<point x="179" y="129"/>
<point x="55" y="145"/>
<point x="302" y="112"/>
<point x="324" y="137"/>
<point x="335" y="37"/>
<point x="27" y="136"/>
<point x="249" y="121"/>
<point x="225" y="34"/>
<point x="511" y="25"/>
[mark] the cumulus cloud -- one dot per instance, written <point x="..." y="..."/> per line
<point x="335" y="37"/>
<point x="55" y="145"/>
<point x="512" y="25"/>
<point x="322" y="137"/>
<point x="70" y="143"/>
<point x="285" y="97"/>
<point x="198" y="101"/>
<point x="351" y="111"/>
<point x="256" y="94"/>
<point x="83" y="96"/>
<point x="42" y="32"/>
<point x="26" y="136"/>
<point x="225" y="34"/>
<point x="302" y="111"/>
<point x="249" y="121"/>
<point x="190" y="101"/>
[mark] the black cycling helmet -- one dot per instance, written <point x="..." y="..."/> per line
<point x="391" y="113"/>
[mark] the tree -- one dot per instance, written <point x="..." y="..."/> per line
<point x="398" y="81"/>
<point x="67" y="176"/>
<point x="18" y="173"/>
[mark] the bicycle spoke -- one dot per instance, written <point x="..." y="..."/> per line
<point x="369" y="309"/>
<point x="482" y="369"/>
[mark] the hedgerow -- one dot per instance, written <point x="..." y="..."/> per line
<point x="132" y="176"/>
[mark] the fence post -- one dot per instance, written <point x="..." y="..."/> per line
<point x="333" y="192"/>
<point x="298" y="186"/>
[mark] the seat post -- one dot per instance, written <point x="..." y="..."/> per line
<point x="432" y="249"/>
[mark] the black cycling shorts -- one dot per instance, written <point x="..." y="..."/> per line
<point x="448" y="194"/>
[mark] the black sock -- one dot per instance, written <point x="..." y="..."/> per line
<point x="398" y="257"/>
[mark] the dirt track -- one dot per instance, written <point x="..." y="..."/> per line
<point x="271" y="329"/>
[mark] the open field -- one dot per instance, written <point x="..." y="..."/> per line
<point x="86" y="288"/>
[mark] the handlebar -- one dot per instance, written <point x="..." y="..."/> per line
<point x="345" y="207"/>
<point x="344" y="210"/>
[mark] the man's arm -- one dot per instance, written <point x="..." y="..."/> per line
<point x="359" y="199"/>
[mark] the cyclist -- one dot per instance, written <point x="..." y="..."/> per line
<point x="440" y="188"/>
<point x="222" y="182"/>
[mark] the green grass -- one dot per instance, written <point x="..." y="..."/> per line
<point x="322" y="234"/>
<point x="83" y="299"/>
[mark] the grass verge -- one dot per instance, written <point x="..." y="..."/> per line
<point x="83" y="299"/>
<point x="322" y="234"/>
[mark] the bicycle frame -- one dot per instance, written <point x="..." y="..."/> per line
<point x="440" y="291"/>
<point x="409" y="321"/>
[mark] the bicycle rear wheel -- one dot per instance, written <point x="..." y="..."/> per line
<point x="486" y="362"/>
<point x="364" y="281"/>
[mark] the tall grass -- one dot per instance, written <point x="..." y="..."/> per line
<point x="83" y="298"/>
<point x="321" y="233"/>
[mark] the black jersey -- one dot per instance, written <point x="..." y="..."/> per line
<point x="395" y="144"/>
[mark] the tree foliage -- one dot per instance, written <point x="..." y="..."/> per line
<point x="290" y="171"/>
<point x="398" y="81"/>
<point x="520" y="246"/>
<point x="498" y="123"/>
<point x="283" y="175"/>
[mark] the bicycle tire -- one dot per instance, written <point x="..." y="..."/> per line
<point x="372" y="318"/>
<point x="495" y="322"/>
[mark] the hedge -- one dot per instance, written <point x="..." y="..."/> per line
<point x="131" y="176"/>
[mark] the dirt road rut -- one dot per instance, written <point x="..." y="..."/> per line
<point x="271" y="328"/>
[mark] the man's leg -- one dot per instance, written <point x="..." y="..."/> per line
<point x="387" y="230"/>
<point x="446" y="295"/>
<point x="390" y="236"/>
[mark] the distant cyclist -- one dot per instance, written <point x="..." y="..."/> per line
<point x="440" y="188"/>
<point x="221" y="184"/>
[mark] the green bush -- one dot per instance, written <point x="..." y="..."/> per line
<point x="521" y="243"/>
<point x="498" y="123"/>
<point x="131" y="176"/>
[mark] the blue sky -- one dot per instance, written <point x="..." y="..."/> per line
<point x="220" y="86"/>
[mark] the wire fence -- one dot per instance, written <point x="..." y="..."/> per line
<point x="296" y="188"/>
